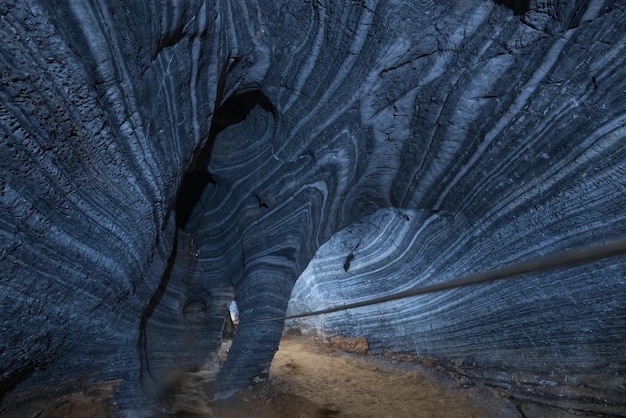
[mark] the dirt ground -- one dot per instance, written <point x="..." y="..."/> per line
<point x="80" y="399"/>
<point x="309" y="378"/>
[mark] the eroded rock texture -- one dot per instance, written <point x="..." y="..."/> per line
<point x="440" y="138"/>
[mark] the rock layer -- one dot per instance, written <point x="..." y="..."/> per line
<point x="440" y="138"/>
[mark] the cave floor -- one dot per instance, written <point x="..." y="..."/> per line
<point x="310" y="378"/>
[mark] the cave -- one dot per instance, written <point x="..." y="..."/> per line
<point x="160" y="160"/>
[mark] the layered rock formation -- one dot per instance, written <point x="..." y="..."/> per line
<point x="159" y="160"/>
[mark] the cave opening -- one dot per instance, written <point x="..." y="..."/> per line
<point x="234" y="110"/>
<point x="519" y="7"/>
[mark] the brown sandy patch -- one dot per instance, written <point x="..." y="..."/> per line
<point x="73" y="399"/>
<point x="310" y="378"/>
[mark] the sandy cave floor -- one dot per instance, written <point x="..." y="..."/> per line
<point x="311" y="379"/>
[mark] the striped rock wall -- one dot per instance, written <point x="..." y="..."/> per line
<point x="427" y="139"/>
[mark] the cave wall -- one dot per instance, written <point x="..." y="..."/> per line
<point x="102" y="106"/>
<point x="552" y="342"/>
<point x="472" y="133"/>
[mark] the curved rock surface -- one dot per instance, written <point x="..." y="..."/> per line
<point x="158" y="160"/>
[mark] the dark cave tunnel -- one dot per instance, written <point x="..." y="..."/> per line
<point x="519" y="7"/>
<point x="234" y="110"/>
<point x="364" y="149"/>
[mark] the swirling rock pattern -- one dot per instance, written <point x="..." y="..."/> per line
<point x="440" y="138"/>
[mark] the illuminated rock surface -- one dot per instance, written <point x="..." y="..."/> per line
<point x="158" y="159"/>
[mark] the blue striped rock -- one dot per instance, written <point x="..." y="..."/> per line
<point x="158" y="159"/>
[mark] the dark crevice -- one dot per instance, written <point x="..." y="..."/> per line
<point x="169" y="40"/>
<point x="14" y="378"/>
<point x="350" y="257"/>
<point x="189" y="194"/>
<point x="234" y="110"/>
<point x="519" y="7"/>
<point x="151" y="307"/>
<point x="346" y="264"/>
<point x="260" y="202"/>
<point x="518" y="406"/>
